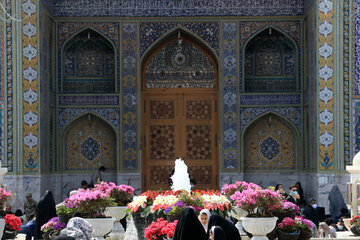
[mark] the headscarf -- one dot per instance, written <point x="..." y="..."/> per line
<point x="208" y="214"/>
<point x="79" y="229"/>
<point x="218" y="233"/>
<point x="327" y="231"/>
<point x="189" y="227"/>
<point x="229" y="228"/>
<point x="44" y="212"/>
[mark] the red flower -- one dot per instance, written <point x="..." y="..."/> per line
<point x="159" y="229"/>
<point x="12" y="222"/>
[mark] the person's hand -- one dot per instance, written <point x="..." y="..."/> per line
<point x="297" y="196"/>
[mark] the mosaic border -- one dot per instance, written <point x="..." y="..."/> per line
<point x="9" y="92"/>
<point x="326" y="69"/>
<point x="346" y="82"/>
<point x="270" y="99"/>
<point x="30" y="77"/>
<point x="174" y="8"/>
<point x="130" y="96"/>
<point x="356" y="49"/>
<point x="230" y="103"/>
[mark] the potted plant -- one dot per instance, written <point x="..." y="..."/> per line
<point x="64" y="212"/>
<point x="288" y="209"/>
<point x="287" y="229"/>
<point x="259" y="205"/>
<point x="305" y="227"/>
<point x="160" y="229"/>
<point x="121" y="195"/>
<point x="228" y="190"/>
<point x="354" y="225"/>
<point x="52" y="228"/>
<point x="12" y="226"/>
<point x="91" y="205"/>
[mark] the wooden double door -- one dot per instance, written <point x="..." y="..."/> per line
<point x="179" y="123"/>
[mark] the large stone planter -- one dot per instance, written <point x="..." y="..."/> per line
<point x="101" y="226"/>
<point x="238" y="213"/>
<point x="259" y="227"/>
<point x="118" y="213"/>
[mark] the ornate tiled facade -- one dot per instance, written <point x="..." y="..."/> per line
<point x="30" y="74"/>
<point x="293" y="114"/>
<point x="129" y="96"/>
<point x="170" y="8"/>
<point x="66" y="115"/>
<point x="326" y="80"/>
<point x="292" y="29"/>
<point x="88" y="144"/>
<point x="230" y="112"/>
<point x="270" y="144"/>
<point x="356" y="49"/>
<point x="150" y="32"/>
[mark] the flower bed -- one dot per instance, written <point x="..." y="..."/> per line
<point x="172" y="203"/>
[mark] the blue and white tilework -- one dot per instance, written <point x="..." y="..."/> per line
<point x="175" y="8"/>
<point x="112" y="115"/>
<point x="357" y="49"/>
<point x="151" y="31"/>
<point x="293" y="114"/>
<point x="129" y="93"/>
<point x="269" y="99"/>
<point x="230" y="103"/>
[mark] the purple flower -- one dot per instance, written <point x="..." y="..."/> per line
<point x="168" y="209"/>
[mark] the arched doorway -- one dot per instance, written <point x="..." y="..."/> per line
<point x="179" y="112"/>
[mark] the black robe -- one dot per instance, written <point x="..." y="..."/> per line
<point x="189" y="227"/>
<point x="44" y="212"/>
<point x="219" y="233"/>
<point x="229" y="228"/>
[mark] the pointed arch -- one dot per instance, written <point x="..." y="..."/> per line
<point x="270" y="62"/>
<point x="88" y="142"/>
<point x="88" y="60"/>
<point x="174" y="32"/>
<point x="271" y="142"/>
<point x="179" y="59"/>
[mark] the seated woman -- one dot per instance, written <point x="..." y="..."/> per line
<point x="204" y="218"/>
<point x="189" y="227"/>
<point x="217" y="233"/>
<point x="77" y="228"/>
<point x="229" y="228"/>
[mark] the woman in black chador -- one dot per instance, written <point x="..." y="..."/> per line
<point x="189" y="227"/>
<point x="44" y="212"/>
<point x="229" y="228"/>
<point x="217" y="233"/>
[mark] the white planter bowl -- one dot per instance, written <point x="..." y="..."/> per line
<point x="259" y="227"/>
<point x="101" y="226"/>
<point x="116" y="212"/>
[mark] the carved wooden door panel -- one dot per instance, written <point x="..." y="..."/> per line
<point x="199" y="138"/>
<point x="182" y="125"/>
